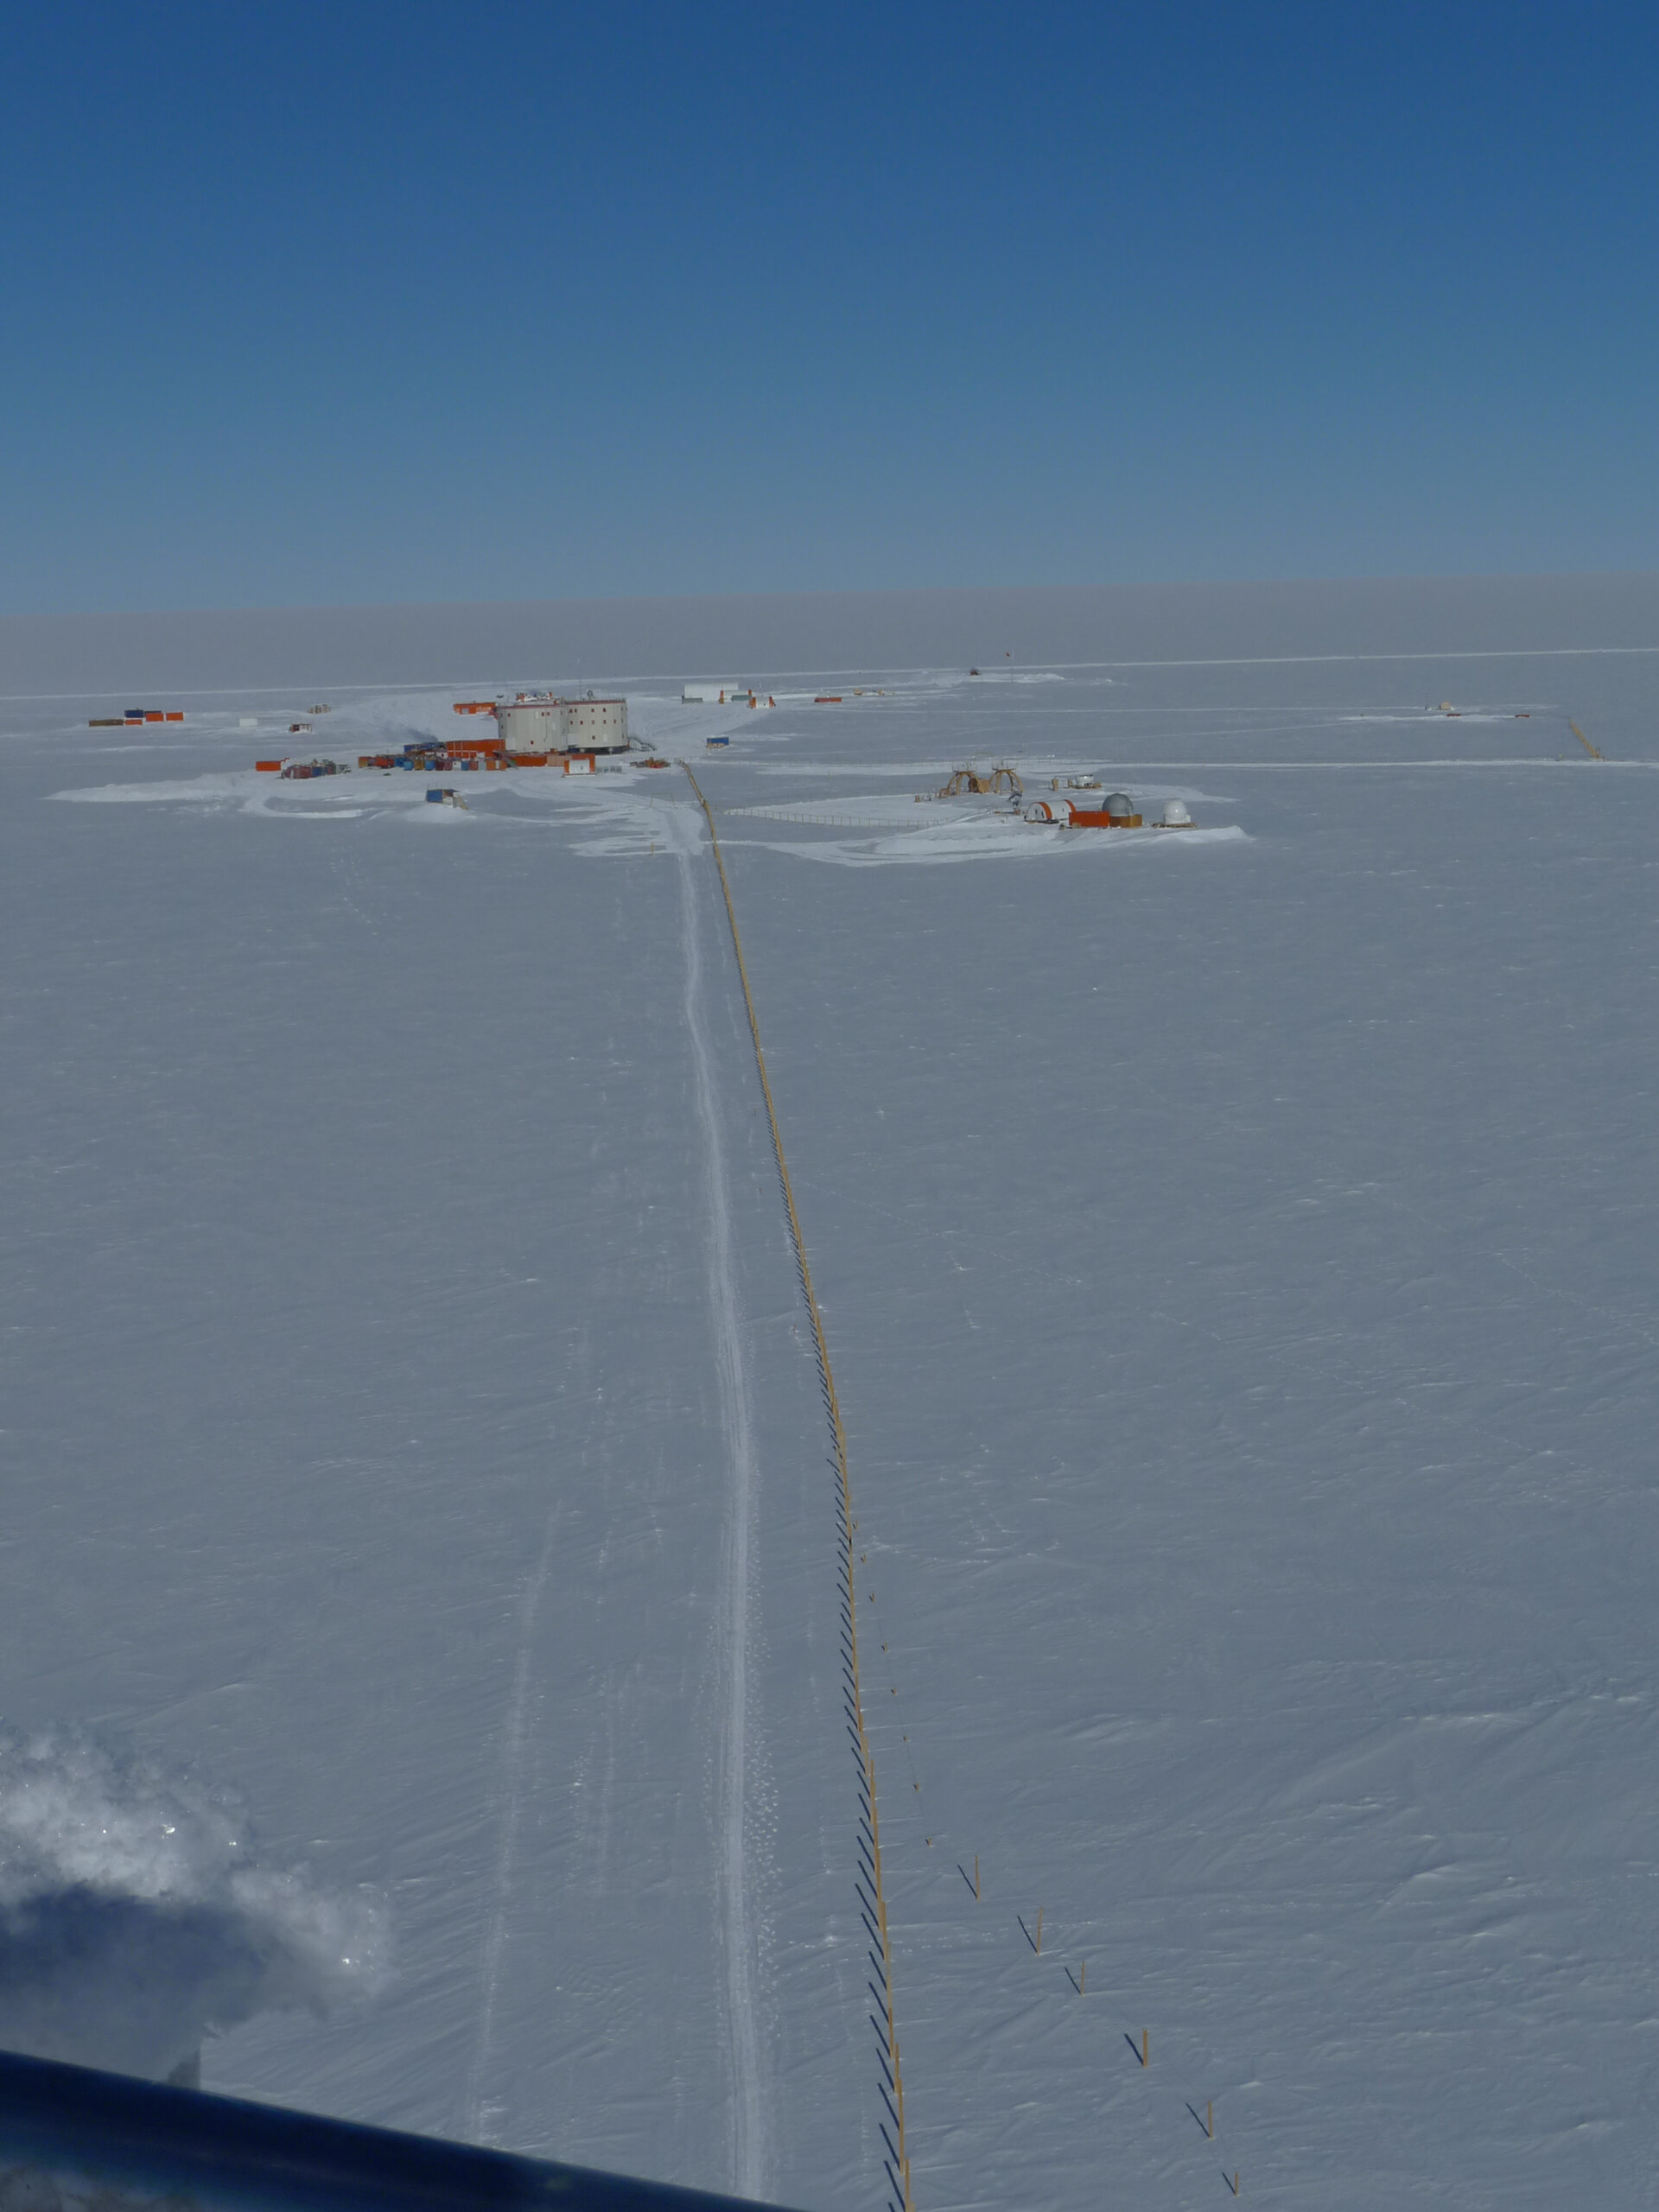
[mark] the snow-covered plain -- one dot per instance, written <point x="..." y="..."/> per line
<point x="1236" y="1250"/>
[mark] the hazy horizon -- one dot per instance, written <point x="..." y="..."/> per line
<point x="657" y="639"/>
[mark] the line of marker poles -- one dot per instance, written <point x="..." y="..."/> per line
<point x="1145" y="2052"/>
<point x="833" y="1407"/>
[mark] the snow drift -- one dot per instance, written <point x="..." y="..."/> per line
<point x="136" y="1918"/>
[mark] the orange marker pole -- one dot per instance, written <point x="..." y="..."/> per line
<point x="1039" y="1931"/>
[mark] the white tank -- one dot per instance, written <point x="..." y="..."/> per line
<point x="531" y="725"/>
<point x="596" y="724"/>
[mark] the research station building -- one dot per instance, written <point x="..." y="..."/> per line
<point x="563" y="725"/>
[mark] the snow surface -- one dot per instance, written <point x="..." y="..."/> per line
<point x="1237" y="1253"/>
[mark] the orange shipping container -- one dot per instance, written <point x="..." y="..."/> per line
<point x="178" y="717"/>
<point x="269" y="767"/>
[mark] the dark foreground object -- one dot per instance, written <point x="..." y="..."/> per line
<point x="69" y="2136"/>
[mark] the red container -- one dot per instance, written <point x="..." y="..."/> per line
<point x="269" y="767"/>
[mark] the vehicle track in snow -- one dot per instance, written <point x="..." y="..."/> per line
<point x="482" y="2113"/>
<point x="733" y="1904"/>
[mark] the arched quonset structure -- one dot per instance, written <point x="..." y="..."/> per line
<point x="72" y="2138"/>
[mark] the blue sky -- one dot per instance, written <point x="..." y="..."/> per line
<point x="350" y="303"/>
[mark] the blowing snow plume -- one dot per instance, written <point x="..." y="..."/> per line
<point x="136" y="1918"/>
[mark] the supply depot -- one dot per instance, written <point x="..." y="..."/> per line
<point x="1081" y="805"/>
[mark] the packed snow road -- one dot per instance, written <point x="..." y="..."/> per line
<point x="1236" y="1251"/>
